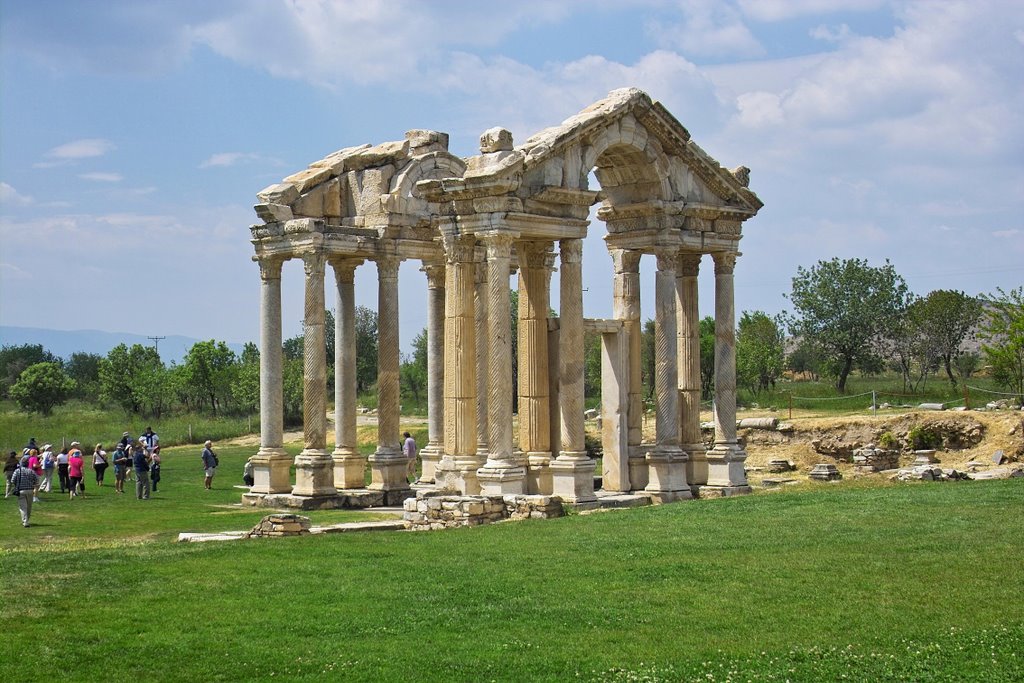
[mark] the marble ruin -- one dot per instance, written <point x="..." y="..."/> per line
<point x="472" y="223"/>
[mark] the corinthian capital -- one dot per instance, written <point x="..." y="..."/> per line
<point x="725" y="262"/>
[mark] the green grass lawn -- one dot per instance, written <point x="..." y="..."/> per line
<point x="912" y="582"/>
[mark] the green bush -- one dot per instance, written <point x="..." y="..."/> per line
<point x="924" y="438"/>
<point x="888" y="441"/>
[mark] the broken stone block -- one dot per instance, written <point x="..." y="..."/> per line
<point x="825" y="471"/>
<point x="496" y="139"/>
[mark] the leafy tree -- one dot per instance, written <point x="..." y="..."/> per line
<point x="41" y="387"/>
<point x="293" y="390"/>
<point x="294" y="347"/>
<point x="759" y="350"/>
<point x="805" y="358"/>
<point x="967" y="364"/>
<point x="944" y="318"/>
<point x="413" y="372"/>
<point x="1002" y="329"/>
<point x="128" y="376"/>
<point x="366" y="348"/>
<point x="84" y="368"/>
<point x="208" y="372"/>
<point x="647" y="353"/>
<point x="844" y="307"/>
<point x="909" y="350"/>
<point x="707" y="357"/>
<point x="592" y="365"/>
<point x="15" y="359"/>
<point x="245" y="389"/>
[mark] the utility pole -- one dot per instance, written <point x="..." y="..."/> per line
<point x="156" y="343"/>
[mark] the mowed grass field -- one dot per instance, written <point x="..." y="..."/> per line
<point x="917" y="582"/>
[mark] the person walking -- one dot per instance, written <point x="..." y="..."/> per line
<point x="409" y="451"/>
<point x="35" y="463"/>
<point x="126" y="444"/>
<point x="76" y="470"/>
<point x="210" y="464"/>
<point x="154" y="467"/>
<point x="9" y="467"/>
<point x="62" y="470"/>
<point x="24" y="482"/>
<point x="99" y="463"/>
<point x="49" y="465"/>
<point x="121" y="464"/>
<point x="140" y="462"/>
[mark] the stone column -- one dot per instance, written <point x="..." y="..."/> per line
<point x="314" y="468"/>
<point x="349" y="466"/>
<point x="271" y="463"/>
<point x="666" y="461"/>
<point x="431" y="454"/>
<point x="614" y="405"/>
<point x="481" y="300"/>
<point x="572" y="472"/>
<point x="388" y="467"/>
<point x="690" y="439"/>
<point x="457" y="469"/>
<point x="725" y="460"/>
<point x="626" y="307"/>
<point x="500" y="474"/>
<point x="534" y="392"/>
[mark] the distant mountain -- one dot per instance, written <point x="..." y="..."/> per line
<point x="63" y="343"/>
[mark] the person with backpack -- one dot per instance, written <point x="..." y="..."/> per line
<point x="62" y="470"/>
<point x="140" y="462"/>
<point x="121" y="464"/>
<point x="210" y="464"/>
<point x="24" y="482"/>
<point x="49" y="465"/>
<point x="99" y="463"/>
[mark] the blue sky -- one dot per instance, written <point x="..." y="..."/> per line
<point x="135" y="135"/>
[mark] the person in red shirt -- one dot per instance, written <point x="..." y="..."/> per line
<point x="35" y="463"/>
<point x="76" y="467"/>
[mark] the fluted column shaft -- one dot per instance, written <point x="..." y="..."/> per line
<point x="688" y="317"/>
<point x="666" y="361"/>
<point x="314" y="355"/>
<point x="388" y="401"/>
<point x="434" y="449"/>
<point x="460" y="408"/>
<point x="481" y="301"/>
<point x="725" y="350"/>
<point x="499" y="347"/>
<point x="570" y="357"/>
<point x="626" y="307"/>
<point x="534" y="401"/>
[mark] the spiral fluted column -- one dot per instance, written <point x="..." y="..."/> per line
<point x="534" y="381"/>
<point x="432" y="453"/>
<point x="690" y="439"/>
<point x="271" y="463"/>
<point x="314" y="468"/>
<point x="349" y="465"/>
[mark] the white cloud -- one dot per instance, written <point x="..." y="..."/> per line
<point x="1013" y="233"/>
<point x="81" y="149"/>
<point x="830" y="35"/>
<point x="9" y="195"/>
<point x="708" y="28"/>
<point x="228" y="159"/>
<point x="101" y="177"/>
<point x="779" y="10"/>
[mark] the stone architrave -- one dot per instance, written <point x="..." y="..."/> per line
<point x="725" y="460"/>
<point x="572" y="472"/>
<point x="457" y="469"/>
<point x="626" y="307"/>
<point x="388" y="466"/>
<point x="432" y="453"/>
<point x="500" y="474"/>
<point x="688" y="315"/>
<point x="535" y="261"/>
<point x="666" y="461"/>
<point x="314" y="467"/>
<point x="349" y="465"/>
<point x="271" y="463"/>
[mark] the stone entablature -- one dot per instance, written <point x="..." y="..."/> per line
<point x="472" y="222"/>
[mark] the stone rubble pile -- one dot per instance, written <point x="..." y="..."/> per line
<point x="281" y="525"/>
<point x="929" y="473"/>
<point x="430" y="511"/>
<point x="874" y="459"/>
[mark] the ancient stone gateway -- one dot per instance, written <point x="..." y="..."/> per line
<point x="472" y="222"/>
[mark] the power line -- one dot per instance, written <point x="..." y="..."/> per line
<point x="156" y="343"/>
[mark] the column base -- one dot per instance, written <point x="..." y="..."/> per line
<point x="314" y="474"/>
<point x="696" y="465"/>
<point x="725" y="466"/>
<point x="271" y="471"/>
<point x="572" y="477"/>
<point x="430" y="456"/>
<point x="349" y="469"/>
<point x="538" y="473"/>
<point x="499" y="479"/>
<point x="638" y="469"/>
<point x="723" y="491"/>
<point x="388" y="470"/>
<point x="666" y="478"/>
<point x="457" y="475"/>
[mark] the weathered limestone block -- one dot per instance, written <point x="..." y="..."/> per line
<point x="426" y="141"/>
<point x="496" y="139"/>
<point x="281" y="193"/>
<point x="825" y="472"/>
<point x="308" y="178"/>
<point x="758" y="423"/>
<point x="274" y="213"/>
<point x="335" y="161"/>
<point x="778" y="465"/>
<point x="384" y="154"/>
<point x="925" y="457"/>
<point x="281" y="525"/>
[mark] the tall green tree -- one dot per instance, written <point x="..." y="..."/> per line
<point x="42" y="387"/>
<point x="84" y="368"/>
<point x="366" y="348"/>
<point x="647" y="358"/>
<point x="413" y="372"/>
<point x="707" y="357"/>
<point x="1002" y="330"/>
<point x="15" y="358"/>
<point x="128" y="376"/>
<point x="844" y="307"/>
<point x="944" y="318"/>
<point x="759" y="350"/>
<point x="209" y="370"/>
<point x="245" y="388"/>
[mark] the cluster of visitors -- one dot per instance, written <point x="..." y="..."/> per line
<point x="31" y="474"/>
